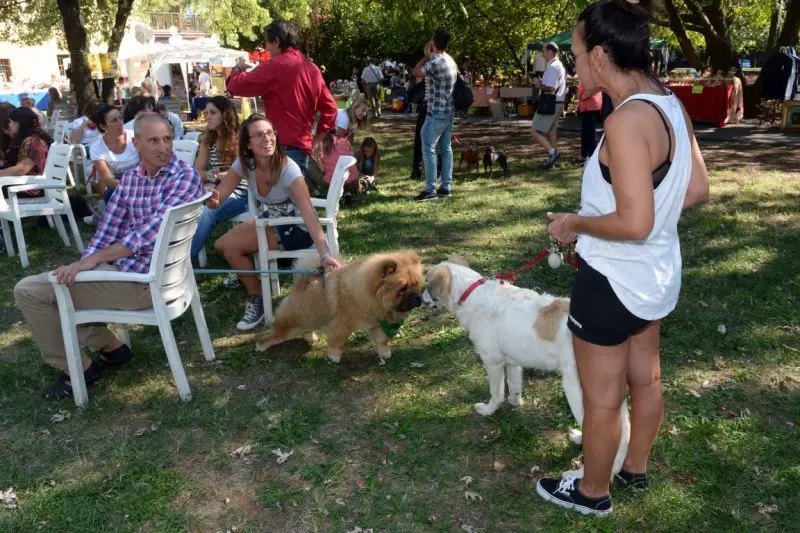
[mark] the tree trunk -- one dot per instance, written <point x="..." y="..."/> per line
<point x="774" y="24"/>
<point x="75" y="33"/>
<point x="790" y="33"/>
<point x="114" y="40"/>
<point x="677" y="27"/>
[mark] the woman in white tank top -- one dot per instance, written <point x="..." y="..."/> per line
<point x="644" y="172"/>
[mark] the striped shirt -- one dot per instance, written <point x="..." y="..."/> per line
<point x="133" y="215"/>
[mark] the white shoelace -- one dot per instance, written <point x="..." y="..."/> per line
<point x="566" y="485"/>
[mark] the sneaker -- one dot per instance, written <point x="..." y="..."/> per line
<point x="253" y="314"/>
<point x="564" y="492"/>
<point x="424" y="196"/>
<point x="445" y="193"/>
<point x="231" y="281"/>
<point x="550" y="161"/>
<point x="637" y="482"/>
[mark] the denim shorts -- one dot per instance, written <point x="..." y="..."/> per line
<point x="292" y="236"/>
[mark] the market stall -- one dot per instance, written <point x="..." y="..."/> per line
<point x="707" y="99"/>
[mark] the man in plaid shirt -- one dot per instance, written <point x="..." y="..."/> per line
<point x="124" y="241"/>
<point x="440" y="72"/>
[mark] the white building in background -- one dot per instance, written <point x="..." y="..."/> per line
<point x="27" y="66"/>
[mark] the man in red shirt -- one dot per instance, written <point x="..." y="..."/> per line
<point x="293" y="91"/>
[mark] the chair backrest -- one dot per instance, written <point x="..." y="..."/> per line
<point x="59" y="131"/>
<point x="65" y="111"/>
<point x="57" y="163"/>
<point x="497" y="110"/>
<point x="336" y="188"/>
<point x="192" y="136"/>
<point x="171" y="260"/>
<point x="186" y="150"/>
<point x="175" y="106"/>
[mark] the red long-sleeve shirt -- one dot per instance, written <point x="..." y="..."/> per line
<point x="293" y="91"/>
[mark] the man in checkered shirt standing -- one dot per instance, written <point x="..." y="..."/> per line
<point x="440" y="72"/>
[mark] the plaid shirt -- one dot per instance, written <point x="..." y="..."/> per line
<point x="134" y="213"/>
<point x="440" y="77"/>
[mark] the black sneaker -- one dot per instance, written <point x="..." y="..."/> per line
<point x="443" y="192"/>
<point x="424" y="196"/>
<point x="637" y="482"/>
<point x="117" y="357"/>
<point x="253" y="314"/>
<point x="564" y="492"/>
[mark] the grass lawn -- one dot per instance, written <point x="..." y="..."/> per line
<point x="388" y="447"/>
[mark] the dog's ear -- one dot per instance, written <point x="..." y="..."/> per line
<point x="458" y="260"/>
<point x="389" y="267"/>
<point x="439" y="281"/>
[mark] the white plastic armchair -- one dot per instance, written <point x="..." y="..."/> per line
<point x="53" y="205"/>
<point x="186" y="150"/>
<point x="268" y="258"/>
<point x="192" y="136"/>
<point x="172" y="288"/>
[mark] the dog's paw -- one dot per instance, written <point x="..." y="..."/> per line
<point x="385" y="355"/>
<point x="262" y="346"/>
<point x="334" y="358"/>
<point x="484" y="409"/>
<point x="310" y="337"/>
<point x="577" y="474"/>
<point x="575" y="436"/>
<point x="515" y="399"/>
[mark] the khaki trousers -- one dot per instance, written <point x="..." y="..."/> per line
<point x="36" y="299"/>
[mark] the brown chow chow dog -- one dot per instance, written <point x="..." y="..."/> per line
<point x="353" y="298"/>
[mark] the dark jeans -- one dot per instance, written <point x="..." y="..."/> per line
<point x="588" y="132"/>
<point x="416" y="164"/>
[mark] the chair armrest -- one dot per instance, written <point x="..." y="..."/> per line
<point x="37" y="184"/>
<point x="108" y="275"/>
<point x="285" y="221"/>
<point x="319" y="202"/>
<point x="20" y="180"/>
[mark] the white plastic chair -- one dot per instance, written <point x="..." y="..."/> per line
<point x="268" y="258"/>
<point x="61" y="135"/>
<point x="192" y="136"/>
<point x="54" y="204"/>
<point x="252" y="212"/>
<point x="186" y="150"/>
<point x="172" y="288"/>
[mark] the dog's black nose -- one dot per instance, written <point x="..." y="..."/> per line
<point x="411" y="301"/>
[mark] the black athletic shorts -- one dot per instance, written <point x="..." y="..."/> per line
<point x="596" y="315"/>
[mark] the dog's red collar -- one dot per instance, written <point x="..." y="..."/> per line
<point x="471" y="288"/>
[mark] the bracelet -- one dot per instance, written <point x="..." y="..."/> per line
<point x="561" y="225"/>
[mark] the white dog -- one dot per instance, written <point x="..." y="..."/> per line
<point x="512" y="329"/>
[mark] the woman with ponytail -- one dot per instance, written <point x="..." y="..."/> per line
<point x="644" y="172"/>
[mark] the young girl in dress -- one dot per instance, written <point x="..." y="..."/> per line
<point x="368" y="163"/>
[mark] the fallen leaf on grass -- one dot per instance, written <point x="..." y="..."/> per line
<point x="359" y="530"/>
<point x="282" y="456"/>
<point x="790" y="348"/>
<point x="535" y="468"/>
<point x="673" y="430"/>
<point x="60" y="417"/>
<point x="467" y="529"/>
<point x="722" y="329"/>
<point x="706" y="384"/>
<point x="241" y="387"/>
<point x="719" y="361"/>
<point x="694" y="393"/>
<point x="340" y="501"/>
<point x="262" y="403"/>
<point x="472" y="496"/>
<point x="466" y="480"/>
<point x="686" y="479"/>
<point x="498" y="465"/>
<point x="701" y="303"/>
<point x="766" y="510"/>
<point x="243" y="451"/>
<point x="17" y="324"/>
<point x="381" y="361"/>
<point x="416" y="365"/>
<point x="139" y="432"/>
<point x="8" y="495"/>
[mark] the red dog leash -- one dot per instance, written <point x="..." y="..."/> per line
<point x="571" y="259"/>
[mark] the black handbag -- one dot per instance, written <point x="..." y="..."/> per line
<point x="546" y="104"/>
<point x="416" y="95"/>
<point x="462" y="95"/>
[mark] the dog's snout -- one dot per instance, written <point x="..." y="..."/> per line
<point x="411" y="301"/>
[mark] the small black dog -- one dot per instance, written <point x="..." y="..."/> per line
<point x="492" y="156"/>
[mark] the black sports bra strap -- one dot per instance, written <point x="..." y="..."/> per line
<point x="663" y="121"/>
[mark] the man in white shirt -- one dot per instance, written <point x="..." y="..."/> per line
<point x="373" y="77"/>
<point x="544" y="127"/>
<point x="204" y="81"/>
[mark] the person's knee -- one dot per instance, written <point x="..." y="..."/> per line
<point x="26" y="290"/>
<point x="222" y="246"/>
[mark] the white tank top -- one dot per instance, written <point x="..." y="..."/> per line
<point x="645" y="275"/>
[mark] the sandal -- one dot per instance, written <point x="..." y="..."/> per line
<point x="61" y="389"/>
<point x="117" y="357"/>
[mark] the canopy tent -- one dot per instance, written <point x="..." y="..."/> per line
<point x="564" y="41"/>
<point x="184" y="52"/>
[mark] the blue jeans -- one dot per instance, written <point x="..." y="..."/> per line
<point x="437" y="129"/>
<point x="298" y="156"/>
<point x="235" y="205"/>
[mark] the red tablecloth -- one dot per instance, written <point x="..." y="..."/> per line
<point x="710" y="105"/>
